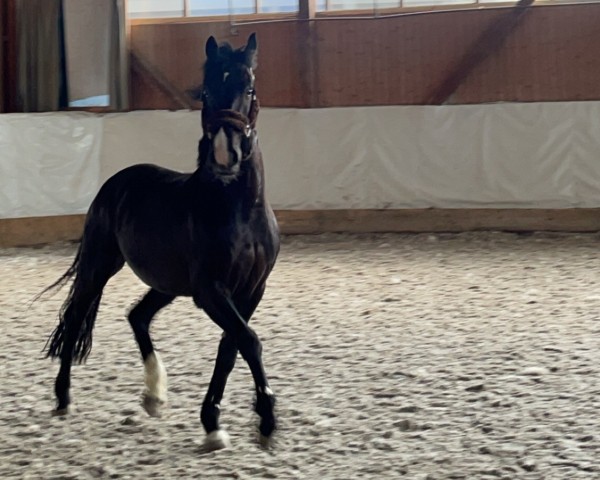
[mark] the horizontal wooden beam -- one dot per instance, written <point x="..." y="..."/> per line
<point x="438" y="220"/>
<point x="41" y="230"/>
<point x="17" y="232"/>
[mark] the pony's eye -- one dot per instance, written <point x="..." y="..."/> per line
<point x="250" y="92"/>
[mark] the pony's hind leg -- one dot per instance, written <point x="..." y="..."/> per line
<point x="74" y="328"/>
<point x="72" y="338"/>
<point x="140" y="317"/>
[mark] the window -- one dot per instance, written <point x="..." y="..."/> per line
<point x="205" y="8"/>
<point x="278" y="6"/>
<point x="336" y="5"/>
<point x="87" y="45"/>
<point x="156" y="8"/>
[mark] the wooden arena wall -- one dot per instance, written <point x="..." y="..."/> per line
<point x="551" y="55"/>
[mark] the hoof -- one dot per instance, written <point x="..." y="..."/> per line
<point x="153" y="405"/>
<point x="60" y="412"/>
<point x="266" y="443"/>
<point x="216" y="440"/>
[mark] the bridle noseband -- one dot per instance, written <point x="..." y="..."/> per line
<point x="212" y="122"/>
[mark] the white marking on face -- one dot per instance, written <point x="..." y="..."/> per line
<point x="220" y="149"/>
<point x="238" y="104"/>
<point x="236" y="143"/>
<point x="225" y="75"/>
<point x="155" y="377"/>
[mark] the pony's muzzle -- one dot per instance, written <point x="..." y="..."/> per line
<point x="227" y="150"/>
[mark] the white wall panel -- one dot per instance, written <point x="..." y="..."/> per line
<point x="544" y="155"/>
<point x="49" y="163"/>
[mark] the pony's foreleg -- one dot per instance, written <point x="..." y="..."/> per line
<point x="217" y="303"/>
<point x="217" y="438"/>
<point x="155" y="374"/>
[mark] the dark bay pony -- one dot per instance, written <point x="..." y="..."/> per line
<point x="209" y="235"/>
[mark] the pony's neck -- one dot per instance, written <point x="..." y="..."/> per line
<point x="246" y="190"/>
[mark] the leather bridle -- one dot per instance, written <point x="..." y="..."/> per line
<point x="212" y="122"/>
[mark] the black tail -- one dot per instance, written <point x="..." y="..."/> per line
<point x="61" y="282"/>
<point x="69" y="319"/>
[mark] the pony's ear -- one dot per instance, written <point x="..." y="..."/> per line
<point x="251" y="51"/>
<point x="211" y="49"/>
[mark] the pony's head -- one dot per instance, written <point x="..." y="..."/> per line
<point x="229" y="76"/>
<point x="229" y="108"/>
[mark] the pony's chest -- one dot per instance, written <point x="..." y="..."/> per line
<point x="241" y="262"/>
<point x="237" y="253"/>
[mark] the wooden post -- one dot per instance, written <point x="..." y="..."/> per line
<point x="9" y="65"/>
<point x="307" y="10"/>
<point x="8" y="57"/>
<point x="3" y="43"/>
<point x="128" y="46"/>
